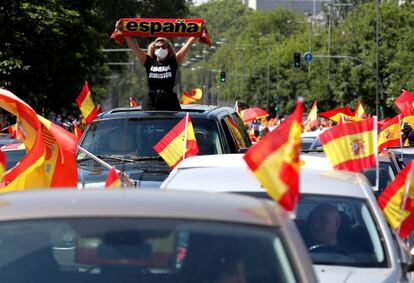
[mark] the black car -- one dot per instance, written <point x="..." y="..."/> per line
<point x="124" y="138"/>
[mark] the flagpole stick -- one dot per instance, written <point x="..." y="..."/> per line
<point x="376" y="153"/>
<point x="185" y="135"/>
<point x="123" y="176"/>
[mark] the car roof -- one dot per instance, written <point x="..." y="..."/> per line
<point x="73" y="203"/>
<point x="195" y="110"/>
<point x="231" y="174"/>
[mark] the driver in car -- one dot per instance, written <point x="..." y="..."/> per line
<point x="323" y="225"/>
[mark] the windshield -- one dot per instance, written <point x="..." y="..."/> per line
<point x="138" y="250"/>
<point x="340" y="231"/>
<point x="135" y="138"/>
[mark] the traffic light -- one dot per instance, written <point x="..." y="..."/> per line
<point x="296" y="60"/>
<point x="223" y="76"/>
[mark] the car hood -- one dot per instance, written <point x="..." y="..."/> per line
<point x="344" y="274"/>
<point x="144" y="176"/>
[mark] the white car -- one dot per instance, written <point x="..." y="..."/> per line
<point x="364" y="249"/>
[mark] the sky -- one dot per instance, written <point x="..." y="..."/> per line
<point x="198" y="2"/>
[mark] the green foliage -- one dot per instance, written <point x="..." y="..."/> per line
<point x="258" y="58"/>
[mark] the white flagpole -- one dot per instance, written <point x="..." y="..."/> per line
<point x="185" y="134"/>
<point x="401" y="143"/>
<point x="376" y="152"/>
<point x="406" y="190"/>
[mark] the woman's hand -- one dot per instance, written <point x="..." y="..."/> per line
<point x="119" y="26"/>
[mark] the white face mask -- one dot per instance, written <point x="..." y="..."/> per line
<point x="161" y="53"/>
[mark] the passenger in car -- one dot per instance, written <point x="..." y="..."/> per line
<point x="161" y="63"/>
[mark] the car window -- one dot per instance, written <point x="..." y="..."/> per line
<point x="13" y="156"/>
<point x="244" y="136"/>
<point x="136" y="137"/>
<point x="340" y="231"/>
<point x="140" y="250"/>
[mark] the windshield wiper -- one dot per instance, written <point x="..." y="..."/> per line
<point x="106" y="157"/>
<point x="144" y="158"/>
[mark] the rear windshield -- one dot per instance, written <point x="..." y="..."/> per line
<point x="140" y="250"/>
<point x="136" y="137"/>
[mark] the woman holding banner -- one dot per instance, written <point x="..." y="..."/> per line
<point x="161" y="63"/>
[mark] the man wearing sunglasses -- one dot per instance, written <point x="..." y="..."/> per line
<point x="161" y="63"/>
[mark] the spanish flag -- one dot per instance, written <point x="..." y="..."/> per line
<point x="86" y="105"/>
<point x="132" y="102"/>
<point x="405" y="103"/>
<point x="397" y="202"/>
<point x="275" y="162"/>
<point x="196" y="95"/>
<point x="352" y="146"/>
<point x="77" y="131"/>
<point x="312" y="120"/>
<point x="50" y="159"/>
<point x="390" y="134"/>
<point x="359" y="111"/>
<point x="113" y="181"/>
<point x="3" y="165"/>
<point x="178" y="143"/>
<point x="337" y="114"/>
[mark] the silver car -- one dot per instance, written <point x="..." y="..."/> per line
<point x="344" y="229"/>
<point x="147" y="236"/>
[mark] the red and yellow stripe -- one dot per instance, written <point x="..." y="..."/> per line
<point x="171" y="146"/>
<point x="312" y="119"/>
<point x="275" y="160"/>
<point x="86" y="105"/>
<point x="350" y="146"/>
<point x="391" y="201"/>
<point x="113" y="181"/>
<point x="195" y="96"/>
<point x="390" y="134"/>
<point x="2" y="165"/>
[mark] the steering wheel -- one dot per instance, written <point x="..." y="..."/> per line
<point x="323" y="248"/>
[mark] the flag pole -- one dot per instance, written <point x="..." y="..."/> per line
<point x="376" y="153"/>
<point x="123" y="176"/>
<point x="185" y="135"/>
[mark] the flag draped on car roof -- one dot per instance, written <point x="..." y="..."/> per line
<point x="390" y="134"/>
<point x="50" y="159"/>
<point x="275" y="160"/>
<point x="351" y="146"/>
<point x="86" y="105"/>
<point x="397" y="202"/>
<point x="179" y="143"/>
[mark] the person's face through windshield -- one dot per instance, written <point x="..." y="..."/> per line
<point x="324" y="222"/>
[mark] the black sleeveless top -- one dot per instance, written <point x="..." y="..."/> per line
<point x="161" y="75"/>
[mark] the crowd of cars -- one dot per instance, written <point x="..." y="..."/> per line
<point x="207" y="220"/>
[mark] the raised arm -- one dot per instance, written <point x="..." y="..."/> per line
<point x="139" y="53"/>
<point x="184" y="50"/>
